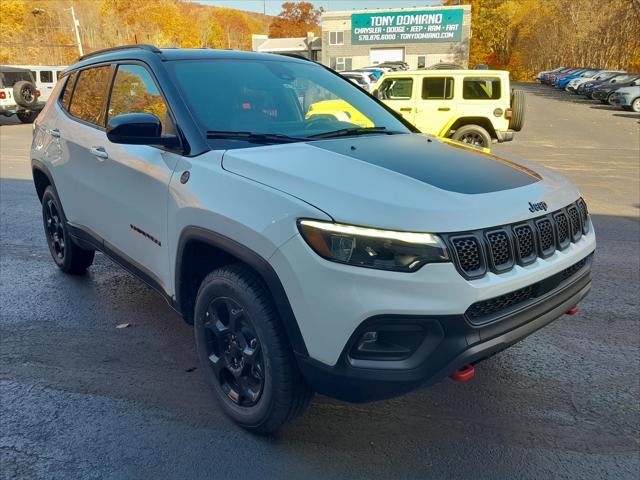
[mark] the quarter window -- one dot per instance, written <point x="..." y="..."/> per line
<point x="68" y="89"/>
<point x="481" y="88"/>
<point x="422" y="61"/>
<point x="134" y="91"/>
<point x="396" y="89"/>
<point x="89" y="102"/>
<point x="336" y="38"/>
<point x="46" y="76"/>
<point x="437" y="88"/>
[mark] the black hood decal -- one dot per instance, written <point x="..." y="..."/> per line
<point x="452" y="168"/>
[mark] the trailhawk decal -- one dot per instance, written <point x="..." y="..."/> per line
<point x="416" y="156"/>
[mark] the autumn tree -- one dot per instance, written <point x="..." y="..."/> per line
<point x="295" y="20"/>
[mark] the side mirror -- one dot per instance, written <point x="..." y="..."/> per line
<point x="139" y="129"/>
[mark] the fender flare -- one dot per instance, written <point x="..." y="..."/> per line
<point x="257" y="263"/>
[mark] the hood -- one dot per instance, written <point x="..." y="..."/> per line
<point x="403" y="182"/>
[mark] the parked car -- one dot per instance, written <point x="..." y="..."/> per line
<point x="541" y="76"/>
<point x="376" y="72"/>
<point x="603" y="92"/>
<point x="475" y="107"/>
<point x="627" y="97"/>
<point x="394" y="65"/>
<point x="445" y="66"/>
<point x="45" y="77"/>
<point x="549" y="76"/>
<point x="562" y="81"/>
<point x="310" y="254"/>
<point x="18" y="94"/>
<point x="573" y="85"/>
<point x="363" y="79"/>
<point x="587" y="88"/>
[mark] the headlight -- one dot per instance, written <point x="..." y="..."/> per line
<point x="373" y="248"/>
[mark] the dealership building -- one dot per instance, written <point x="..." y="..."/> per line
<point x="419" y="36"/>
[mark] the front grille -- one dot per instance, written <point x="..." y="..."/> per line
<point x="499" y="249"/>
<point x="562" y="225"/>
<point x="468" y="253"/>
<point x="487" y="310"/>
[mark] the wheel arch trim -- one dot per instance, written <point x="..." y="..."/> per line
<point x="258" y="263"/>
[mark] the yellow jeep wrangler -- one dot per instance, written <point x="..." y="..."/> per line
<point x="476" y="107"/>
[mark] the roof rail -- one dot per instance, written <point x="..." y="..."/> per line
<point x="143" y="46"/>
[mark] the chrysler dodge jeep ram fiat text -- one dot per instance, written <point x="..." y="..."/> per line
<point x="310" y="253"/>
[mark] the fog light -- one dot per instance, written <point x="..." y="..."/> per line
<point x="388" y="342"/>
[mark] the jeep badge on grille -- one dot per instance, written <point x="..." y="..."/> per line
<point x="536" y="207"/>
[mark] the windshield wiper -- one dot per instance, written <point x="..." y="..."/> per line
<point x="254" y="136"/>
<point x="344" y="132"/>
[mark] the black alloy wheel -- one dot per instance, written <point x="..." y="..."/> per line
<point x="234" y="352"/>
<point x="473" y="138"/>
<point x="55" y="230"/>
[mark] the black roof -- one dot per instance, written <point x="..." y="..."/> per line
<point x="143" y="51"/>
<point x="13" y="69"/>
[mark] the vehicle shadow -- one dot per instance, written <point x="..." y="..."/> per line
<point x="628" y="115"/>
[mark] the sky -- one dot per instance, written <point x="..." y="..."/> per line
<point x="273" y="6"/>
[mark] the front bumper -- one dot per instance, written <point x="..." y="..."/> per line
<point x="451" y="343"/>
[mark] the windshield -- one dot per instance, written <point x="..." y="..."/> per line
<point x="9" y="79"/>
<point x="300" y="100"/>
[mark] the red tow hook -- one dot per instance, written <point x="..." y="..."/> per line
<point x="465" y="374"/>
<point x="573" y="310"/>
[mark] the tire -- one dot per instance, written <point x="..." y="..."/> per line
<point x="25" y="94"/>
<point x="244" y="351"/>
<point x="473" y="135"/>
<point x="69" y="257"/>
<point x="635" y="105"/>
<point x="518" y="107"/>
<point x="27" y="116"/>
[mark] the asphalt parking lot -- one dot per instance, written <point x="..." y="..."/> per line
<point x="82" y="399"/>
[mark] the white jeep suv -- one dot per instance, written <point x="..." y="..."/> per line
<point x="311" y="254"/>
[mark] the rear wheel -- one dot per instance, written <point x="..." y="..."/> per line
<point x="473" y="135"/>
<point x="69" y="257"/>
<point x="518" y="108"/>
<point x="27" y="116"/>
<point x="245" y="353"/>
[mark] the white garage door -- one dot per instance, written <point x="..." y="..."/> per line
<point x="381" y="55"/>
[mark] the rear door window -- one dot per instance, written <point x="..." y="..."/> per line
<point x="475" y="88"/>
<point x="437" y="88"/>
<point x="134" y="91"/>
<point x="396" y="89"/>
<point x="89" y="102"/>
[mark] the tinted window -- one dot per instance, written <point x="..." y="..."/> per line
<point x="298" y="99"/>
<point x="89" y="101"/>
<point x="422" y="61"/>
<point x="481" y="88"/>
<point x="396" y="89"/>
<point x="9" y="79"/>
<point x="68" y="89"/>
<point x="439" y="88"/>
<point x="46" y="76"/>
<point x="134" y="91"/>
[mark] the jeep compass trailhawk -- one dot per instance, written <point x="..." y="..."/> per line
<point x="311" y="253"/>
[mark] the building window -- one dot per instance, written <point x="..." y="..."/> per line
<point x="422" y="61"/>
<point x="336" y="38"/>
<point x="437" y="88"/>
<point x="341" y="64"/>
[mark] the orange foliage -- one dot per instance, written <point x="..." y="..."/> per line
<point x="295" y="20"/>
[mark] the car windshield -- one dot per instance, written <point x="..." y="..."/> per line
<point x="287" y="98"/>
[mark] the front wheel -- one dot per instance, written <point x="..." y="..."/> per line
<point x="635" y="105"/>
<point x="244" y="351"/>
<point x="69" y="257"/>
<point x="473" y="135"/>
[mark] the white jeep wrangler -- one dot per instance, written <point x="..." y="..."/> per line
<point x="18" y="94"/>
<point x="310" y="253"/>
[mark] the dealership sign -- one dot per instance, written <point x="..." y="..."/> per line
<point x="407" y="27"/>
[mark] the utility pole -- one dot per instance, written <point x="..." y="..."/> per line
<point x="76" y="24"/>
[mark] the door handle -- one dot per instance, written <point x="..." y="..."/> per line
<point x="444" y="109"/>
<point x="406" y="109"/>
<point x="55" y="133"/>
<point x="100" y="153"/>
